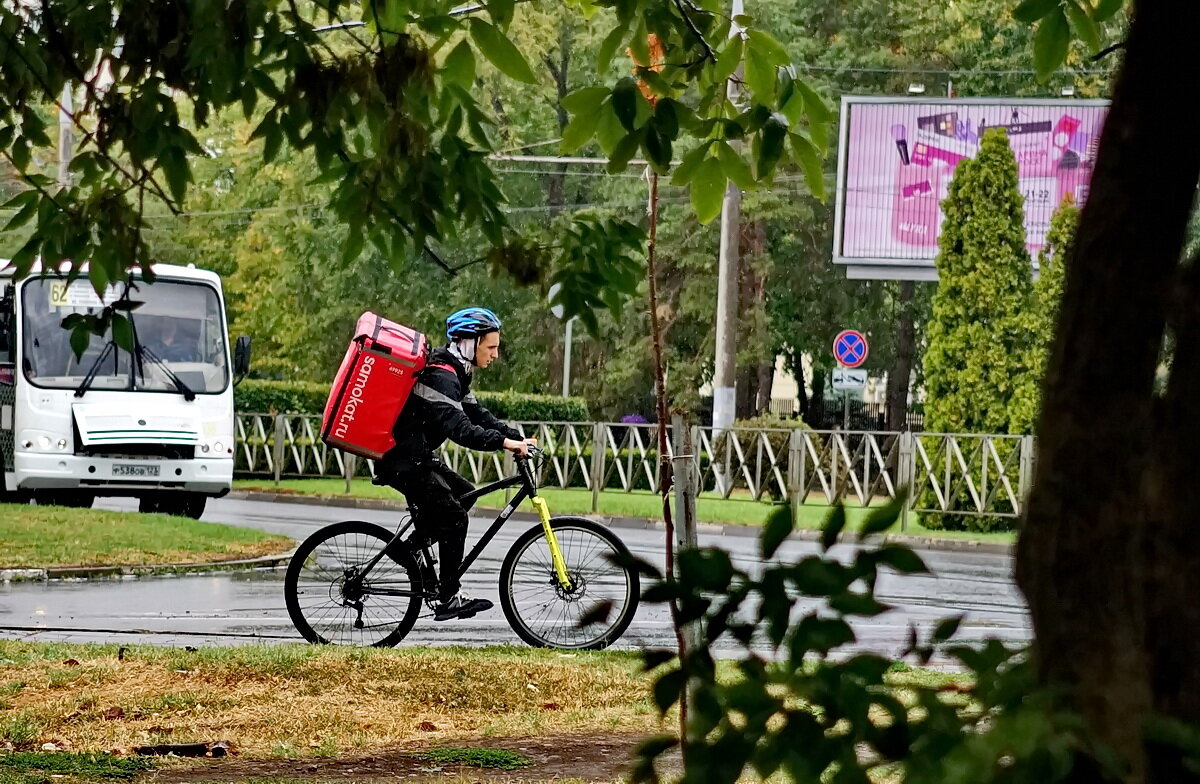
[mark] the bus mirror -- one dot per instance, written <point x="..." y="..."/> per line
<point x="241" y="356"/>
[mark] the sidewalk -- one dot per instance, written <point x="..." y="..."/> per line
<point x="118" y="572"/>
<point x="708" y="529"/>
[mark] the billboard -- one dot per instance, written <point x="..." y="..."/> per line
<point x="897" y="156"/>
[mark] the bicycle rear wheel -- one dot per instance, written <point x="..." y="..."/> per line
<point x="329" y="600"/>
<point x="544" y="614"/>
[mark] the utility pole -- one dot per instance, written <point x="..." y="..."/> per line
<point x="66" y="139"/>
<point x="725" y="375"/>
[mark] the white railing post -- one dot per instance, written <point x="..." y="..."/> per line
<point x="1025" y="472"/>
<point x="906" y="476"/>
<point x="349" y="463"/>
<point x="599" y="448"/>
<point x="796" y="473"/>
<point x="277" y="450"/>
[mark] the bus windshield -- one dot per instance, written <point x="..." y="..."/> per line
<point x="178" y="323"/>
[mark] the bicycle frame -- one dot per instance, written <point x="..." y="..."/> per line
<point x="528" y="489"/>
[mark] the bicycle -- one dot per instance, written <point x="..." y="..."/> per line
<point x="565" y="583"/>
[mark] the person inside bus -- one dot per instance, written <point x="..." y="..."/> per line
<point x="169" y="345"/>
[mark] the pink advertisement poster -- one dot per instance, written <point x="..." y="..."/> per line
<point x="898" y="155"/>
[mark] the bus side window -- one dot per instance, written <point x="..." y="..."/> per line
<point x="8" y="326"/>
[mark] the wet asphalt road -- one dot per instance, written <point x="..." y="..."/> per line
<point x="247" y="607"/>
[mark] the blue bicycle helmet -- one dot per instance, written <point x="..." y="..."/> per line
<point x="471" y="323"/>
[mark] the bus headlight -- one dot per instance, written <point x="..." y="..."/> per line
<point x="43" y="442"/>
<point x="204" y="448"/>
<point x="218" y="447"/>
<point x="62" y="444"/>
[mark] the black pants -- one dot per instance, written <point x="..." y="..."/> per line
<point x="432" y="490"/>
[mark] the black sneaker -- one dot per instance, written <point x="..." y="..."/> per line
<point x="460" y="606"/>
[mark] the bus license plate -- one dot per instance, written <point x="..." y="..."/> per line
<point x="127" y="469"/>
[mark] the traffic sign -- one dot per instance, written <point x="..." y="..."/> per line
<point x="850" y="348"/>
<point x="847" y="380"/>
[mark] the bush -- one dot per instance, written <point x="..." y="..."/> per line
<point x="524" y="407"/>
<point x="261" y="396"/>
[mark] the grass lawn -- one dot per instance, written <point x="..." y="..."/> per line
<point x="617" y="504"/>
<point x="299" y="701"/>
<point x="46" y="536"/>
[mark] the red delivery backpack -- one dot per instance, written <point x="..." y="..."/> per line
<point x="372" y="386"/>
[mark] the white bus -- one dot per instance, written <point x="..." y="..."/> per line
<point x="157" y="424"/>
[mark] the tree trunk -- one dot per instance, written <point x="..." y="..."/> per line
<point x="765" y="384"/>
<point x="1108" y="551"/>
<point x="747" y="381"/>
<point x="560" y="71"/>
<point x="900" y="372"/>
<point x="798" y="372"/>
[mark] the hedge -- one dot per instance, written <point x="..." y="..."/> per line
<point x="262" y="396"/>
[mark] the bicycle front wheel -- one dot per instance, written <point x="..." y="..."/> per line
<point x="331" y="601"/>
<point x="546" y="615"/>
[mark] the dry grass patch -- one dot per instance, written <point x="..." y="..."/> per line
<point x="301" y="701"/>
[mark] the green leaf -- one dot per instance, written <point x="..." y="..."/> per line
<point x="500" y="51"/>
<point x="774" y="134"/>
<point x="625" y="149"/>
<point x="668" y="688"/>
<point x="80" y="337"/>
<point x="1050" y="44"/>
<point x="175" y="167"/>
<point x="729" y="60"/>
<point x="814" y="104"/>
<point x="1032" y="10"/>
<point x="1085" y="27"/>
<point x="586" y="106"/>
<point x="122" y="332"/>
<point x="501" y="11"/>
<point x="735" y="166"/>
<point x="658" y="148"/>
<point x="947" y="628"/>
<point x="459" y="66"/>
<point x="707" y="191"/>
<point x="609" y="131"/>
<point x="608" y="47"/>
<point x="30" y="199"/>
<point x="707" y="569"/>
<point x="770" y="48"/>
<point x="624" y="101"/>
<point x="900" y="558"/>
<point x="687" y="167"/>
<point x="882" y="518"/>
<point x="863" y="604"/>
<point x="834" y="524"/>
<point x="1105" y="9"/>
<point x="811" y="164"/>
<point x="98" y="276"/>
<point x="760" y="75"/>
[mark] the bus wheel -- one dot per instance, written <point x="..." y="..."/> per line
<point x="178" y="504"/>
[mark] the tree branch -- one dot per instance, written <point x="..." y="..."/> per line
<point x="687" y="20"/>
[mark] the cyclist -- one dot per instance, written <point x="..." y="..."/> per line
<point x="442" y="407"/>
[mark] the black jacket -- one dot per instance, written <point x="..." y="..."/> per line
<point x="442" y="407"/>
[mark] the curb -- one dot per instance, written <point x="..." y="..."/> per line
<point x="711" y="529"/>
<point x="120" y="572"/>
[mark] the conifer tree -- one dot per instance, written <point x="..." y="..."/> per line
<point x="978" y="374"/>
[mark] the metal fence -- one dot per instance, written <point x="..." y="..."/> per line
<point x="963" y="474"/>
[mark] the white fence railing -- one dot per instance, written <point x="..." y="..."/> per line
<point x="960" y="474"/>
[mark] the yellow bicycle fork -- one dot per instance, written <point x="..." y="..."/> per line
<point x="556" y="556"/>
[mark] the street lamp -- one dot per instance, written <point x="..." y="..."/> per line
<point x="568" y="338"/>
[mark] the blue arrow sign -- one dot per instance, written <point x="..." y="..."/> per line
<point x="850" y="348"/>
